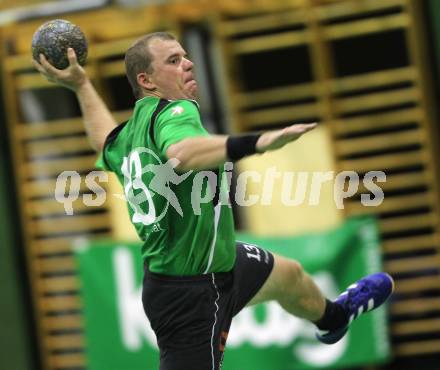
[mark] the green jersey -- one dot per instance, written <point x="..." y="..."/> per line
<point x="184" y="219"/>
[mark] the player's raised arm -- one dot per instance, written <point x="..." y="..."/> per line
<point x="199" y="153"/>
<point x="98" y="120"/>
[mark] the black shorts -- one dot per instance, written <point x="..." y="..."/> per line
<point x="191" y="315"/>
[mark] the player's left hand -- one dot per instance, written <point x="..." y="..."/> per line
<point x="272" y="140"/>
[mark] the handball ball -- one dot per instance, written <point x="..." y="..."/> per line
<point x="53" y="38"/>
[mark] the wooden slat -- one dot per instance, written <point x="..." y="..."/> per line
<point x="59" y="283"/>
<point x="245" y="8"/>
<point x="110" y="69"/>
<point x="47" y="188"/>
<point x="68" y="360"/>
<point x="58" y="146"/>
<point x="55" y="264"/>
<point x="384" y="162"/>
<point x="275" y="95"/>
<point x="416" y="327"/>
<point x="391" y="204"/>
<point x="373" y="80"/>
<point x="262" y="22"/>
<point x="366" y="26"/>
<point x="29" y="81"/>
<point x="53" y="245"/>
<point x="36" y="81"/>
<point x="57" y="166"/>
<point x="379" y="142"/>
<point x="377" y="100"/>
<point x="340" y="85"/>
<point x="70" y="224"/>
<point x="18" y="62"/>
<point x="412" y="264"/>
<point x="39" y="130"/>
<point x="416" y="306"/>
<point x="277" y="115"/>
<point x="60" y="244"/>
<point x="420" y="347"/>
<point x="71" y="321"/>
<point x="373" y="121"/>
<point x="406" y="223"/>
<point x="344" y="8"/>
<point x="110" y="48"/>
<point x="402" y="181"/>
<point x="48" y="207"/>
<point x="410" y="243"/>
<point x="62" y="303"/>
<point x="127" y="25"/>
<point x="270" y="42"/>
<point x="67" y="341"/>
<point x="417" y="284"/>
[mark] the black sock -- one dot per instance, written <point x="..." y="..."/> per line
<point x="334" y="317"/>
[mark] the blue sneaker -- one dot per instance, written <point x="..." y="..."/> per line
<point x="365" y="295"/>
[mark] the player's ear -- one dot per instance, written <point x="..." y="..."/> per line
<point x="144" y="80"/>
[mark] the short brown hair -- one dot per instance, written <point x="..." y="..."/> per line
<point x="138" y="59"/>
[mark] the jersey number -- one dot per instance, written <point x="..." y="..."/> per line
<point x="133" y="181"/>
<point x="252" y="252"/>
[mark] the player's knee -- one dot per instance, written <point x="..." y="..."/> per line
<point x="297" y="271"/>
<point x="294" y="275"/>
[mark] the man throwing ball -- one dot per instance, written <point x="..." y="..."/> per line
<point x="197" y="276"/>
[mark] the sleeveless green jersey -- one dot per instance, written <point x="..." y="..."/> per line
<point x="184" y="219"/>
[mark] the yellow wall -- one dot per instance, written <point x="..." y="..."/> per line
<point x="311" y="153"/>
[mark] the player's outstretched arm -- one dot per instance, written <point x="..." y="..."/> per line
<point x="199" y="153"/>
<point x="98" y="120"/>
<point x="272" y="140"/>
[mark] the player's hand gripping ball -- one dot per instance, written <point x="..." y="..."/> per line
<point x="53" y="38"/>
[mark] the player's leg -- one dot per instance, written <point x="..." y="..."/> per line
<point x="293" y="288"/>
<point x="296" y="292"/>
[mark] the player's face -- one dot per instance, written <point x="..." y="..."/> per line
<point x="172" y="74"/>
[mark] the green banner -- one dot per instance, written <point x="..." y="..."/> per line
<point x="262" y="337"/>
